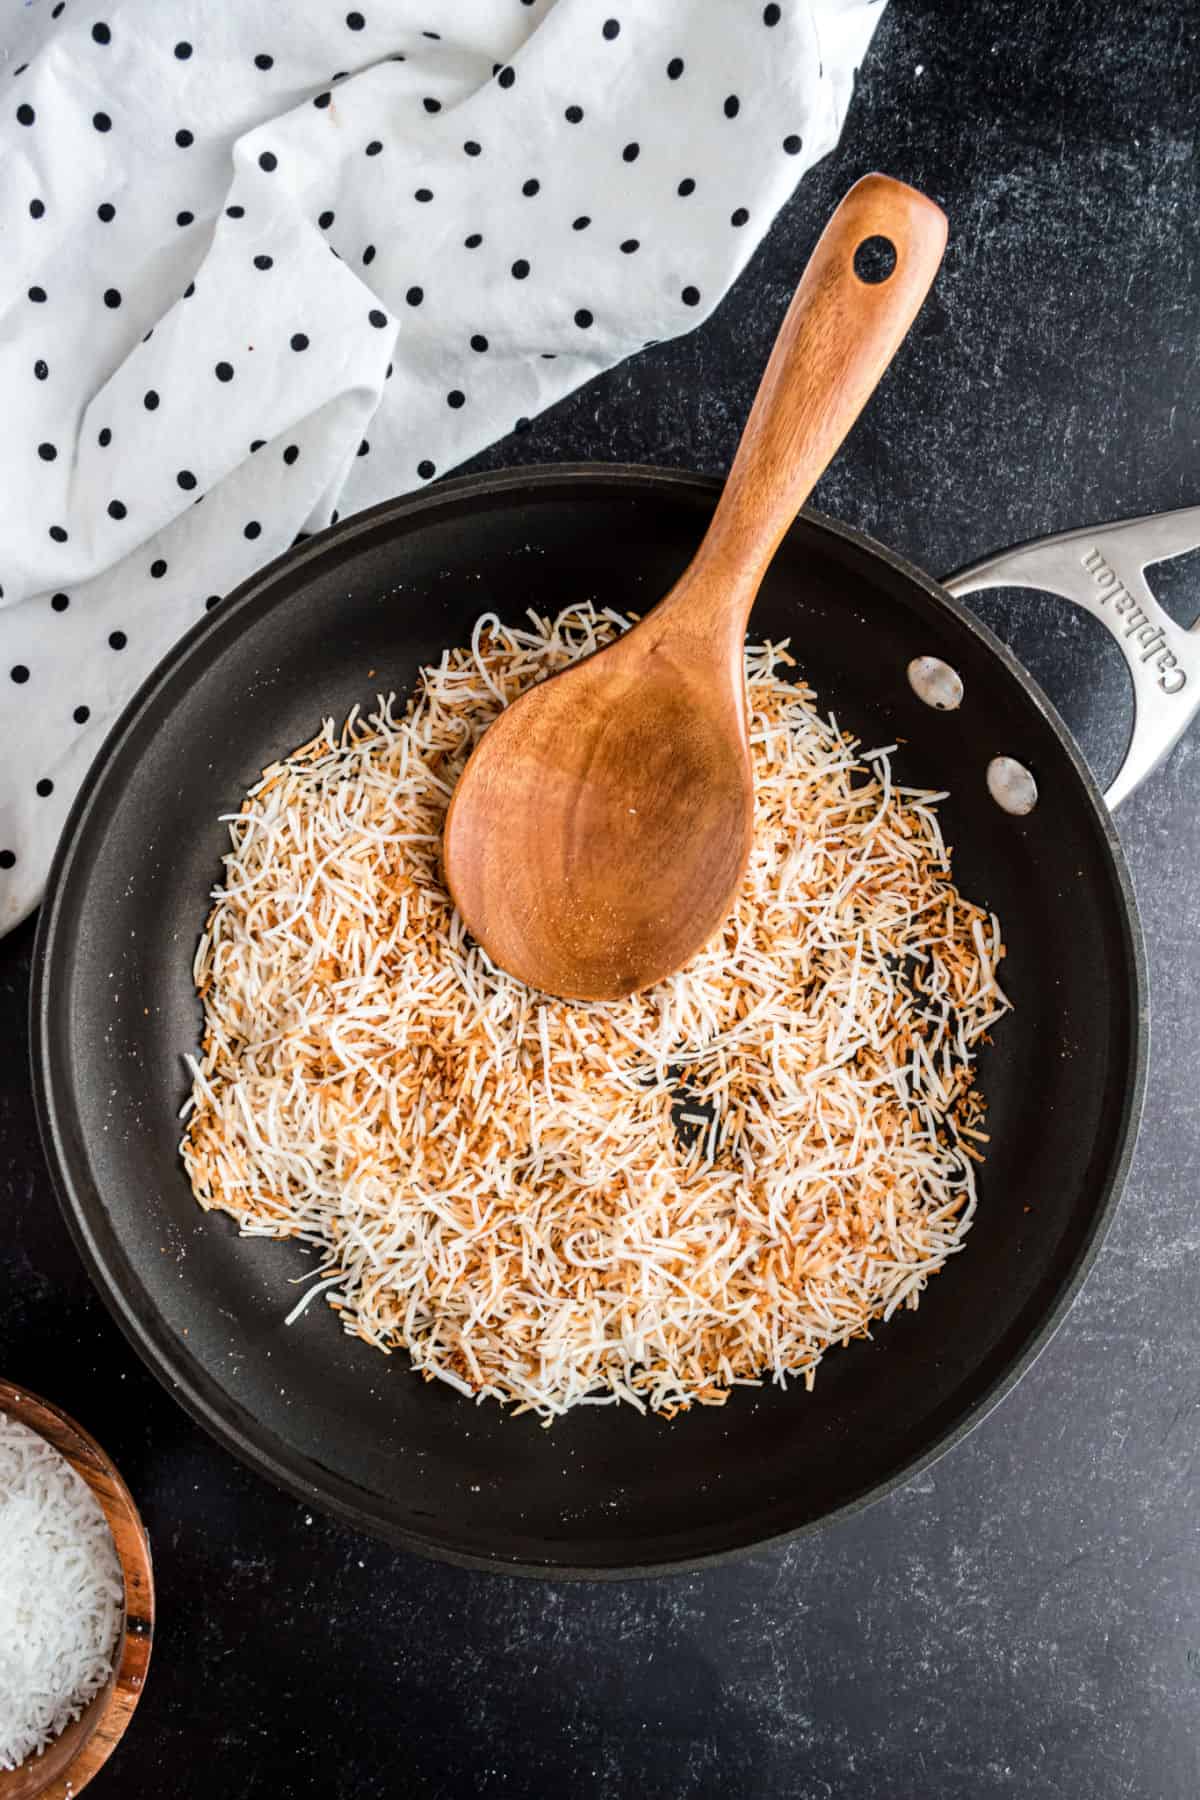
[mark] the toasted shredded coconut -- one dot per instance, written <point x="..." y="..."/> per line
<point x="648" y="1201"/>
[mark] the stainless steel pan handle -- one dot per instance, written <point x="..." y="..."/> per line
<point x="1101" y="569"/>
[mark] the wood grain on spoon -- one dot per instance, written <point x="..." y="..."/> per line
<point x="600" y="831"/>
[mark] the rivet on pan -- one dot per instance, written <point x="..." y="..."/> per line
<point x="935" y="682"/>
<point x="1011" y="785"/>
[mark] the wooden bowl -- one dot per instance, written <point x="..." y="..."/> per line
<point x="67" y="1764"/>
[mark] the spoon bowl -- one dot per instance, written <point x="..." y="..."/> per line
<point x="601" y="828"/>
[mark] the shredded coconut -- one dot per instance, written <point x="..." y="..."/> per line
<point x="61" y="1594"/>
<point x="543" y="1202"/>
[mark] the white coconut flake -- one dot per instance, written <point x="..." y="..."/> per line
<point x="494" y="1179"/>
<point x="61" y="1594"/>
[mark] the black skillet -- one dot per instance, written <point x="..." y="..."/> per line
<point x="604" y="1491"/>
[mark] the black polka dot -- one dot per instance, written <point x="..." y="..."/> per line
<point x="41" y="368"/>
<point x="479" y="342"/>
<point x="687" y="186"/>
<point x="520" y="269"/>
<point x="213" y="600"/>
<point x="334" y="516"/>
<point x="235" y="212"/>
<point x="378" y="319"/>
<point x="584" y="319"/>
<point x="369" y="254"/>
<point x="104" y="437"/>
<point x="675" y="68"/>
<point x="186" y="480"/>
<point x="364" y="449"/>
<point x="117" y="640"/>
<point x="531" y="187"/>
<point x="326" y="220"/>
<point x="251" y="529"/>
<point x="355" y="21"/>
<point x="473" y="242"/>
<point x="456" y="398"/>
<point x="573" y="115"/>
<point x="58" y="533"/>
<point x="60" y="602"/>
<point x="426" y="470"/>
<point x="321" y="101"/>
<point x="506" y="77"/>
<point x="263" y="61"/>
<point x="183" y="50"/>
<point x="158" y="568"/>
<point x="44" y="788"/>
<point x="268" y="161"/>
<point x="690" y="296"/>
<point x="739" y="217"/>
<point x="184" y="138"/>
<point x="733" y="106"/>
<point x="299" y="341"/>
<point x="581" y="223"/>
<point x="189" y="290"/>
<point x="257" y="445"/>
<point x="185" y="218"/>
<point x="522" y="424"/>
<point x="472" y="148"/>
<point x="101" y="34"/>
<point x="150" y="400"/>
<point x="374" y="147"/>
<point x="101" y="121"/>
<point x="770" y="15"/>
<point x="264" y="262"/>
<point x="106" y="212"/>
<point x="25" y="114"/>
<point x="431" y="105"/>
<point x="112" y="298"/>
<point x="290" y="454"/>
<point x="793" y="144"/>
<point x="629" y="246"/>
<point x="223" y="371"/>
<point x="611" y="29"/>
<point x="424" y="195"/>
<point x="117" y="509"/>
<point x="82" y="714"/>
<point x="37" y="295"/>
<point x="391" y="369"/>
<point x="47" y="452"/>
<point x="36" y="208"/>
<point x="19" y="673"/>
<point x="7" y="859"/>
<point x="631" y="152"/>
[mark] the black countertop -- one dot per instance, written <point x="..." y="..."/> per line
<point x="1025" y="1618"/>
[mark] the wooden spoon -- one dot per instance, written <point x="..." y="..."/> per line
<point x="599" y="833"/>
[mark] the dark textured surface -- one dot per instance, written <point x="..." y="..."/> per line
<point x="1024" y="1620"/>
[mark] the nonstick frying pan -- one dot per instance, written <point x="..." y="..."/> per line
<point x="604" y="1491"/>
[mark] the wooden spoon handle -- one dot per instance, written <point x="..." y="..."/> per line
<point x="840" y="334"/>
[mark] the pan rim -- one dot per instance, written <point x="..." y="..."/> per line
<point x="170" y="1361"/>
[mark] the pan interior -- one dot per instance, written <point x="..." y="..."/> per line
<point x="604" y="1489"/>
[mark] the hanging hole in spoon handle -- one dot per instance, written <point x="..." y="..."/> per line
<point x="875" y="259"/>
<point x="840" y="333"/>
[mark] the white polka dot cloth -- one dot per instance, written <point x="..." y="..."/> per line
<point x="292" y="260"/>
